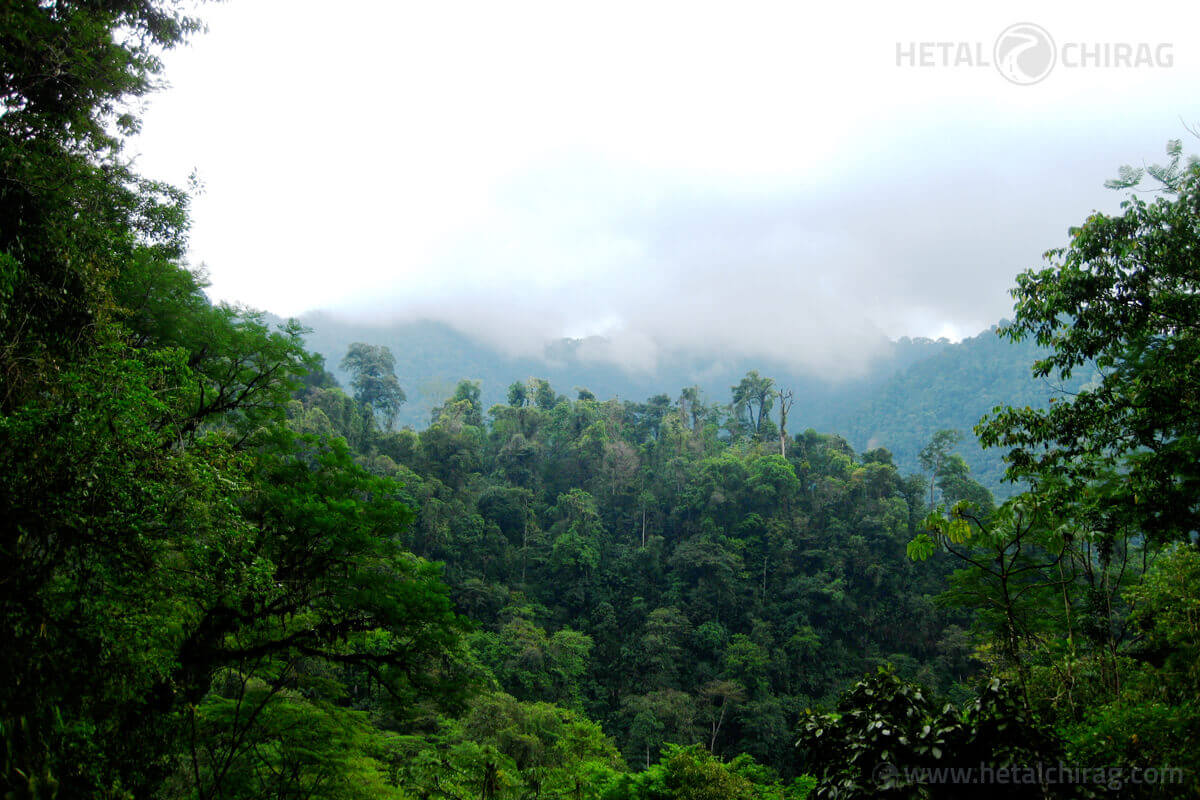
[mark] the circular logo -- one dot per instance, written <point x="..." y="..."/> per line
<point x="1024" y="53"/>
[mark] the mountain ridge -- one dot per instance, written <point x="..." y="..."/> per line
<point x="916" y="387"/>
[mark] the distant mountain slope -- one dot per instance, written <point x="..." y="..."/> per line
<point x="915" y="388"/>
<point x="432" y="357"/>
<point x="952" y="389"/>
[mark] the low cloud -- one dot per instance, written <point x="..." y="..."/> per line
<point x="767" y="182"/>
<point x="645" y="265"/>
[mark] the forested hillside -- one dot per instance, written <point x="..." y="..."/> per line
<point x="912" y="389"/>
<point x="225" y="575"/>
<point x="953" y="389"/>
<point x="631" y="561"/>
<point x="432" y="357"/>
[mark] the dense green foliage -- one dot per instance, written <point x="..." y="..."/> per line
<point x="1086" y="584"/>
<point x="1123" y="296"/>
<point x="222" y="576"/>
<point x="678" y="583"/>
<point x="174" y="556"/>
<point x="887" y="738"/>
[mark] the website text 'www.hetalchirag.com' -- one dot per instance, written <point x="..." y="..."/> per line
<point x="1037" y="774"/>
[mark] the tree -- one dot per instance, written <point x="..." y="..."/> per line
<point x="692" y="408"/>
<point x="1155" y="715"/>
<point x="656" y="719"/>
<point x="140" y="565"/>
<point x="575" y="552"/>
<point x="271" y="735"/>
<point x="1011" y="564"/>
<point x="935" y="455"/>
<point x="955" y="481"/>
<point x="752" y="401"/>
<point x="532" y="665"/>
<point x="67" y="77"/>
<point x="508" y="748"/>
<point x="889" y="737"/>
<point x="1122" y="297"/>
<point x="163" y="527"/>
<point x="666" y="634"/>
<point x="786" y="398"/>
<point x="518" y="395"/>
<point x="72" y="214"/>
<point x="462" y="408"/>
<point x="373" y="376"/>
<point x="543" y="394"/>
<point x="719" y="696"/>
<point x="688" y="773"/>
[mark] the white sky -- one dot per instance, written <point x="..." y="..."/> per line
<point x="761" y="177"/>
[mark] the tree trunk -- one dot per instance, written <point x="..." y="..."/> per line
<point x="785" y="405"/>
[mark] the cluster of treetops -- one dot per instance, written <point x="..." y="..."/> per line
<point x="222" y="576"/>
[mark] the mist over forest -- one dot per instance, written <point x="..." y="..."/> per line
<point x="911" y="388"/>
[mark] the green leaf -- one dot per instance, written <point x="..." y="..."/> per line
<point x="921" y="547"/>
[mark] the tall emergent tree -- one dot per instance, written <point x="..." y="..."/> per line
<point x="372" y="371"/>
<point x="935" y="455"/>
<point x="752" y="400"/>
<point x="786" y="398"/>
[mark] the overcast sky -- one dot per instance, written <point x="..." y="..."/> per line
<point x="779" y="179"/>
